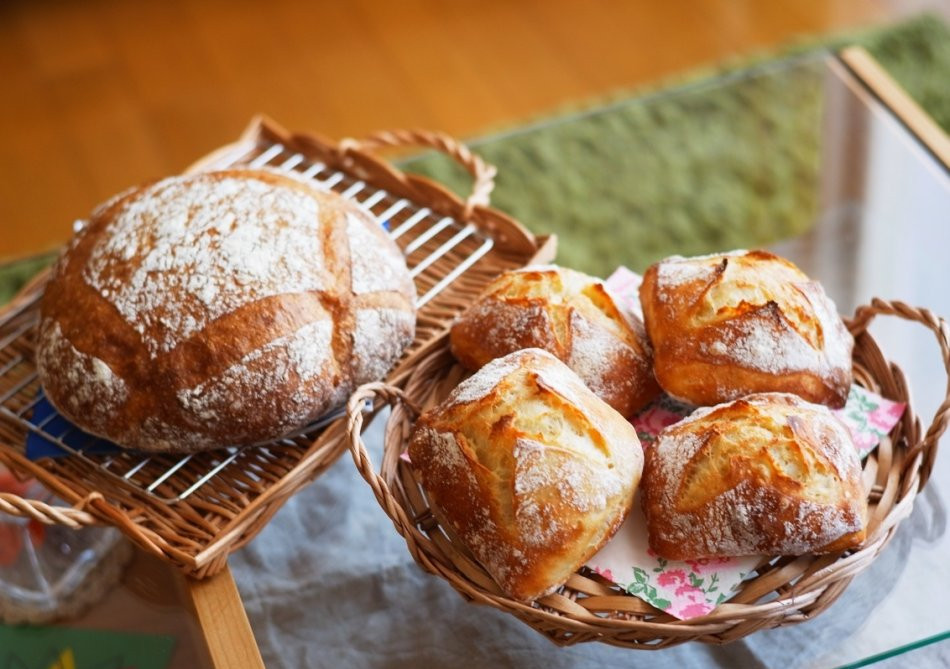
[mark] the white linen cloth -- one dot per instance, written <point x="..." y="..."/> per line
<point x="329" y="583"/>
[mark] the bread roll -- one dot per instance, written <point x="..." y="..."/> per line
<point x="724" y="326"/>
<point x="570" y="315"/>
<point x="769" y="474"/>
<point x="220" y="308"/>
<point x="531" y="470"/>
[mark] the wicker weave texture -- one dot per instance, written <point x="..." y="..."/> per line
<point x="197" y="534"/>
<point x="781" y="591"/>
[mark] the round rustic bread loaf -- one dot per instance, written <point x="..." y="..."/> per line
<point x="532" y="471"/>
<point x="768" y="474"/>
<point x="570" y="315"/>
<point x="220" y="308"/>
<point x="727" y="325"/>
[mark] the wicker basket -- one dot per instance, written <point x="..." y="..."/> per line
<point x="781" y="591"/>
<point x="454" y="247"/>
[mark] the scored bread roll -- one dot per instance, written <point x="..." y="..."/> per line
<point x="220" y="308"/>
<point x="769" y="474"/>
<point x="530" y="469"/>
<point x="570" y="315"/>
<point x="727" y="325"/>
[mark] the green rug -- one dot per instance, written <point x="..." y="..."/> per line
<point x="723" y="158"/>
<point x="690" y="166"/>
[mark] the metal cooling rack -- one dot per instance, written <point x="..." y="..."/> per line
<point x="416" y="229"/>
<point x="424" y="237"/>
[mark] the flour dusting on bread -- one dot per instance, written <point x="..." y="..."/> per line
<point x="765" y="345"/>
<point x="736" y="323"/>
<point x="220" y="243"/>
<point x="304" y="354"/>
<point x="585" y="484"/>
<point x="372" y="269"/>
<point x="593" y="354"/>
<point x="530" y="469"/>
<point x="478" y="386"/>
<point x="674" y="272"/>
<point x="570" y="315"/>
<point x="93" y="388"/>
<point x="767" y="474"/>
<point x="379" y="337"/>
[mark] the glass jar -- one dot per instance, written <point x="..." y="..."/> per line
<point x="53" y="572"/>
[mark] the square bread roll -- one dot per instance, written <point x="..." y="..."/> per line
<point x="532" y="471"/>
<point x="570" y="315"/>
<point x="731" y="324"/>
<point x="769" y="474"/>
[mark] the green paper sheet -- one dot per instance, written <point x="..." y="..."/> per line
<point x="32" y="647"/>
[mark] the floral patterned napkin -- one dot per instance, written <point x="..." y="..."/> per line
<point x="695" y="587"/>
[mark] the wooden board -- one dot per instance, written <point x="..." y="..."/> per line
<point x="897" y="100"/>
<point x="227" y="630"/>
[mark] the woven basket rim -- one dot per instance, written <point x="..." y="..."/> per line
<point x="784" y="590"/>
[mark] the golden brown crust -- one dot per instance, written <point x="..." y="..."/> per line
<point x="728" y="325"/>
<point x="570" y="315"/>
<point x="769" y="474"/>
<point x="531" y="470"/>
<point x="220" y="308"/>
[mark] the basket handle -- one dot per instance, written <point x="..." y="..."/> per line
<point x="862" y="319"/>
<point x="74" y="517"/>
<point x="482" y="173"/>
<point x="354" y="409"/>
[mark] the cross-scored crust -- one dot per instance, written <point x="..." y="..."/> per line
<point x="220" y="308"/>
<point x="727" y="325"/>
<point x="529" y="468"/>
<point x="572" y="316"/>
<point x="769" y="474"/>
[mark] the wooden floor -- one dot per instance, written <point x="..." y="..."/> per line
<point x="102" y="94"/>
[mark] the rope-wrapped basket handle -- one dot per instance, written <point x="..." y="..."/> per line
<point x="75" y="517"/>
<point x="390" y="395"/>
<point x="859" y="323"/>
<point x="483" y="174"/>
